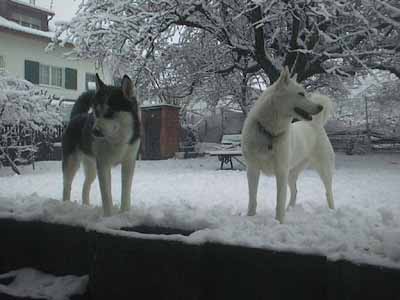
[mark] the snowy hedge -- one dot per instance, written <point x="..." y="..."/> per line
<point x="27" y="118"/>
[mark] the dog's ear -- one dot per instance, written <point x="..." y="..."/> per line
<point x="99" y="84"/>
<point x="284" y="77"/>
<point x="127" y="87"/>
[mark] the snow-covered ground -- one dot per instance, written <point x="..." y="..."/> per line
<point x="193" y="194"/>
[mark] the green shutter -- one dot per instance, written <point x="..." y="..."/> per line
<point x="71" y="79"/>
<point x="32" y="71"/>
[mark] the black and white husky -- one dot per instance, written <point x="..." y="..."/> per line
<point x="104" y="130"/>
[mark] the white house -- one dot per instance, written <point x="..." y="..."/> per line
<point x="24" y="35"/>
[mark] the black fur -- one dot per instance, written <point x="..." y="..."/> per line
<point x="78" y="134"/>
<point x="117" y="102"/>
<point x="82" y="104"/>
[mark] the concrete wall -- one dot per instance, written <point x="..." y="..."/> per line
<point x="148" y="267"/>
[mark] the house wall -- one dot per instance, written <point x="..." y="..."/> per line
<point x="17" y="47"/>
<point x="3" y="8"/>
<point x="27" y="11"/>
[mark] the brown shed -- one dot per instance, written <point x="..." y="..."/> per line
<point x="160" y="131"/>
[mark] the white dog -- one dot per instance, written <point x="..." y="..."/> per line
<point x="272" y="144"/>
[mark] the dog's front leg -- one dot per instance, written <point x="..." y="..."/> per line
<point x="127" y="170"/>
<point x="281" y="186"/>
<point x="104" y="175"/>
<point x="253" y="176"/>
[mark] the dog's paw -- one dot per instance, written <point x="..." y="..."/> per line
<point x="251" y="213"/>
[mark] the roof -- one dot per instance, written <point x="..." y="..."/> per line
<point x="16" y="27"/>
<point x="35" y="7"/>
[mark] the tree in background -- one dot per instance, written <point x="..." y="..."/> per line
<point x="206" y="48"/>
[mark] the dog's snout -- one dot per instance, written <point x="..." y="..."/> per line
<point x="97" y="132"/>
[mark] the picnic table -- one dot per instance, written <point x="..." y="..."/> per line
<point x="229" y="149"/>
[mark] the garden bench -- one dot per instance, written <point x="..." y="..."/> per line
<point x="229" y="149"/>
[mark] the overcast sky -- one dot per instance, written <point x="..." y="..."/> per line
<point x="64" y="9"/>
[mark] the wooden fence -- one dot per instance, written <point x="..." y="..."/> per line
<point x="25" y="145"/>
<point x="362" y="141"/>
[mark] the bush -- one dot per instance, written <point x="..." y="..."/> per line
<point x="27" y="119"/>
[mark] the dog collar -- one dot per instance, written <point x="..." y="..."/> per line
<point x="267" y="134"/>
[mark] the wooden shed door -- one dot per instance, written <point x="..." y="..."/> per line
<point x="152" y="135"/>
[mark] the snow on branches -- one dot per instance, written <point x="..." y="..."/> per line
<point x="27" y="118"/>
<point x="210" y="50"/>
<point x="312" y="37"/>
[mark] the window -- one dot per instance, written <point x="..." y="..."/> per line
<point x="2" y="63"/>
<point x="89" y="78"/>
<point x="44" y="74"/>
<point x="27" y="21"/>
<point x="38" y="73"/>
<point x="56" y="76"/>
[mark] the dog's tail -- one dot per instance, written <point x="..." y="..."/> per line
<point x="82" y="104"/>
<point x="321" y="118"/>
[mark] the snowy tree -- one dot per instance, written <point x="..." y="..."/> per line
<point x="27" y="118"/>
<point x="385" y="15"/>
<point x="214" y="51"/>
<point x="383" y="106"/>
<point x="311" y="37"/>
<point x="373" y="104"/>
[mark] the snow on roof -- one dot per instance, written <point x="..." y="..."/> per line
<point x="15" y="26"/>
<point x="33" y="6"/>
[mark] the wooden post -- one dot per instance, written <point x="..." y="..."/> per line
<point x="367" y="127"/>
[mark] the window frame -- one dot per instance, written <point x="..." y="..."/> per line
<point x="27" y="21"/>
<point x="56" y="76"/>
<point x="41" y="68"/>
<point x="87" y="76"/>
<point x="53" y="70"/>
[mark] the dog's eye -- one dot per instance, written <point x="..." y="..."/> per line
<point x="302" y="94"/>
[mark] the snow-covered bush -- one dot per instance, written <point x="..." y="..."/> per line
<point x="27" y="118"/>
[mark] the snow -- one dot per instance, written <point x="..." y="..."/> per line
<point x="21" y="101"/>
<point x="194" y="195"/>
<point x="38" y="285"/>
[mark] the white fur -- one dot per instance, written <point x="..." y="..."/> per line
<point x="294" y="146"/>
